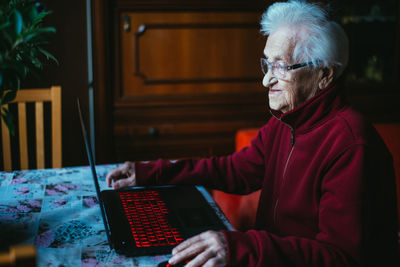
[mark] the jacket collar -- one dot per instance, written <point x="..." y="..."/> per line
<point x="314" y="111"/>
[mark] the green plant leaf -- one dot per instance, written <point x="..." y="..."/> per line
<point x="40" y="16"/>
<point x="36" y="62"/>
<point x="37" y="74"/>
<point x="29" y="37"/>
<point x="11" y="80"/>
<point x="18" y="22"/>
<point x="48" y="55"/>
<point x="17" y="70"/>
<point x="5" y="25"/>
<point x="46" y="30"/>
<point x="22" y="36"/>
<point x="9" y="120"/>
<point x="32" y="13"/>
<point x="9" y="96"/>
<point x="8" y="38"/>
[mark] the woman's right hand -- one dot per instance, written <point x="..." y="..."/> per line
<point x="122" y="176"/>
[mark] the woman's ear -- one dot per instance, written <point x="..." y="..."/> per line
<point x="327" y="77"/>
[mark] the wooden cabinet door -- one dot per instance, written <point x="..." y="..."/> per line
<point x="186" y="82"/>
<point x="188" y="54"/>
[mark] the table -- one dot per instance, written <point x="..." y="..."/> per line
<point x="57" y="211"/>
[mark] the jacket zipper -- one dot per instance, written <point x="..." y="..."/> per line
<point x="292" y="141"/>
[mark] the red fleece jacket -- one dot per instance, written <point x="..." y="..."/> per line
<point x="328" y="189"/>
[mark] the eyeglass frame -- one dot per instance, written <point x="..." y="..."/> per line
<point x="286" y="68"/>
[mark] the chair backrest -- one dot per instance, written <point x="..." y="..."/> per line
<point x="38" y="97"/>
<point x="19" y="256"/>
<point x="390" y="133"/>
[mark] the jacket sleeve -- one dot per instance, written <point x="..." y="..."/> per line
<point x="356" y="226"/>
<point x="240" y="173"/>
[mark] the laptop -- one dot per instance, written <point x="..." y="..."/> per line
<point x="151" y="220"/>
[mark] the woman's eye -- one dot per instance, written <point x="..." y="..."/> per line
<point x="281" y="66"/>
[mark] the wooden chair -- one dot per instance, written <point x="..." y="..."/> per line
<point x="390" y="133"/>
<point x="38" y="96"/>
<point x="19" y="256"/>
<point x="240" y="209"/>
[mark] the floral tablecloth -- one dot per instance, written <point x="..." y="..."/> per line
<point x="57" y="211"/>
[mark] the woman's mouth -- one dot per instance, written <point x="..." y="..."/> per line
<point x="274" y="91"/>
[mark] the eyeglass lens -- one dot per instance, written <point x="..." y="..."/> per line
<point x="277" y="69"/>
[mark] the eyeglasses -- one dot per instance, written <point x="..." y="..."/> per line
<point x="279" y="70"/>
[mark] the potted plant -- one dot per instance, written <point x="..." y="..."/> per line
<point x="22" y="36"/>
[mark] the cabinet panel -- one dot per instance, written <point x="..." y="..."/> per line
<point x="149" y="132"/>
<point x="172" y="147"/>
<point x="170" y="54"/>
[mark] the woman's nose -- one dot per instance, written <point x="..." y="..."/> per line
<point x="268" y="79"/>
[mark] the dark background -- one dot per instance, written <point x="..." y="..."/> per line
<point x="69" y="45"/>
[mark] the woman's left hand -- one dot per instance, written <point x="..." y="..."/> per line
<point x="206" y="249"/>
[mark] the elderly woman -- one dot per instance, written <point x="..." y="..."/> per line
<point x="328" y="194"/>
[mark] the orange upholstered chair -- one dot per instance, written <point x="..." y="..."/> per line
<point x="241" y="210"/>
<point x="390" y="133"/>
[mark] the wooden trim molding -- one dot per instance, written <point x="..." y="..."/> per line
<point x="102" y="72"/>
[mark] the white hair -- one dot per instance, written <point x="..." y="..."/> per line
<point x="318" y="39"/>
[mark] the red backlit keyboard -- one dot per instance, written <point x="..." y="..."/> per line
<point x="147" y="216"/>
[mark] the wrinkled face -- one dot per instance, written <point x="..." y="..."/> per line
<point x="298" y="85"/>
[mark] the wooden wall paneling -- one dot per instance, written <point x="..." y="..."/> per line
<point x="102" y="76"/>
